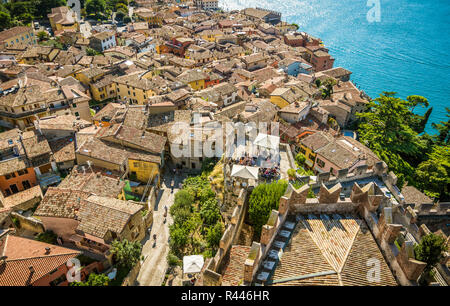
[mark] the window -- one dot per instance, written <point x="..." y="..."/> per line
<point x="77" y="114"/>
<point x="58" y="281"/>
<point x="26" y="184"/>
<point x="74" y="105"/>
<point x="22" y="172"/>
<point x="14" y="188"/>
<point x="321" y="163"/>
<point x="311" y="156"/>
<point x="11" y="175"/>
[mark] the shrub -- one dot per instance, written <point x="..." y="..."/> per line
<point x="47" y="237"/>
<point x="300" y="159"/>
<point x="178" y="237"/>
<point x="183" y="200"/>
<point x="291" y="172"/>
<point x="93" y="280"/>
<point x="430" y="250"/>
<point x="209" y="211"/>
<point x="214" y="235"/>
<point x="126" y="19"/>
<point x="126" y="253"/>
<point x="173" y="260"/>
<point x="263" y="199"/>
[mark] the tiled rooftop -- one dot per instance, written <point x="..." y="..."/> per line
<point x="92" y="182"/>
<point x="330" y="250"/>
<point x="101" y="214"/>
<point x="233" y="273"/>
<point x="61" y="202"/>
<point x="24" y="253"/>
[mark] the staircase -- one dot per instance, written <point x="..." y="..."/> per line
<point x="267" y="268"/>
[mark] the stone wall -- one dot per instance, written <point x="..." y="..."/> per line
<point x="28" y="223"/>
<point x="210" y="275"/>
<point x="130" y="279"/>
<point x="363" y="200"/>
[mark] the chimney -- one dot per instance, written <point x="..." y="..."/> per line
<point x="47" y="250"/>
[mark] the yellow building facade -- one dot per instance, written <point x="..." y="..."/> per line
<point x="135" y="95"/>
<point x="310" y="156"/>
<point x="18" y="35"/>
<point x="143" y="170"/>
<point x="197" y="85"/>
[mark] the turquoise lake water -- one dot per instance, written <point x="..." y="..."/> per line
<point x="407" y="51"/>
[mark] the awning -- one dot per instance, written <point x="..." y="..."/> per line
<point x="246" y="172"/>
<point x="193" y="264"/>
<point x="267" y="141"/>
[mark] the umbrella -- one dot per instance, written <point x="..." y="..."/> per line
<point x="193" y="263"/>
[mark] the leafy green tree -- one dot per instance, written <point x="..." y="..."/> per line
<point x="26" y="18"/>
<point x="93" y="280"/>
<point x="433" y="175"/>
<point x="120" y="15"/>
<point x="42" y="35"/>
<point x="214" y="235"/>
<point x="183" y="200"/>
<point x="387" y="130"/>
<point x="300" y="159"/>
<point x="181" y="215"/>
<point x="263" y="199"/>
<point x="179" y="237"/>
<point x="126" y="19"/>
<point x="291" y="173"/>
<point x="92" y="52"/>
<point x="126" y="253"/>
<point x="173" y="260"/>
<point x="95" y="6"/>
<point x="16" y="9"/>
<point x="47" y="237"/>
<point x="415" y="100"/>
<point x="327" y="87"/>
<point x="208" y="164"/>
<point x="209" y="211"/>
<point x="5" y="21"/>
<point x="443" y="129"/>
<point x="430" y="250"/>
<point x="121" y="6"/>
